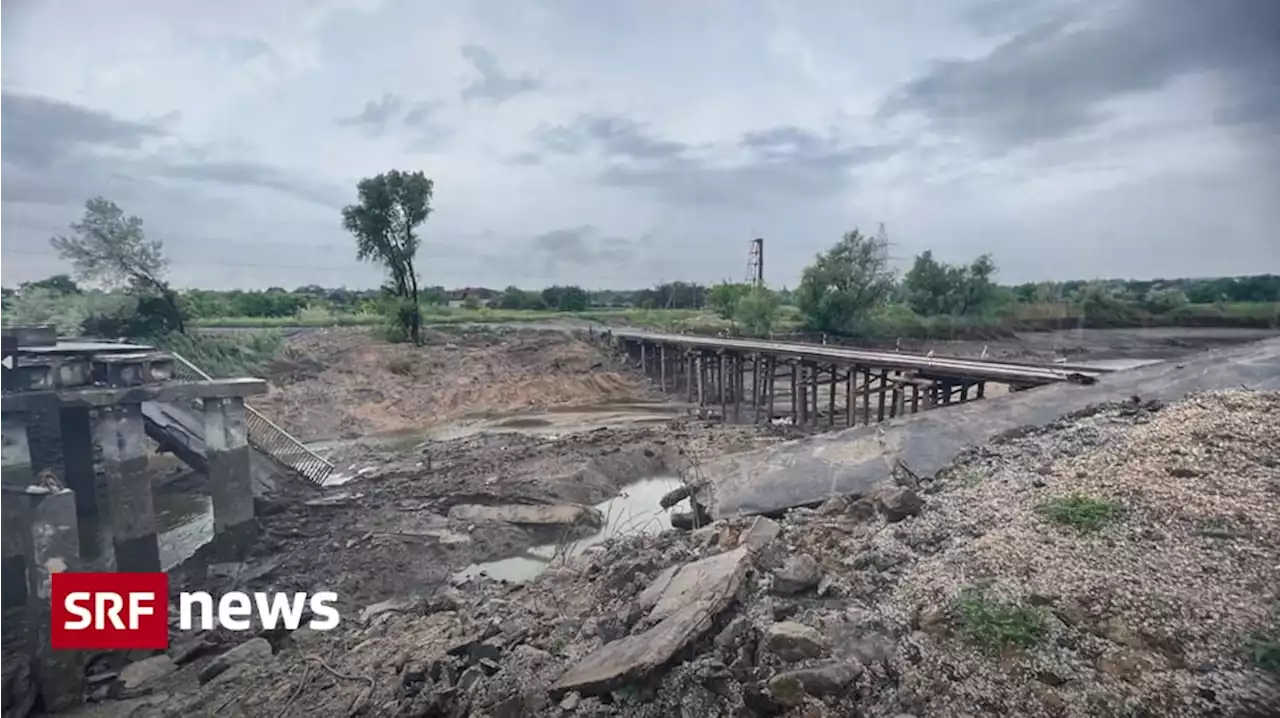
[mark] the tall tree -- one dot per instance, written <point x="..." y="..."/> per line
<point x="844" y="283"/>
<point x="111" y="248"/>
<point x="390" y="209"/>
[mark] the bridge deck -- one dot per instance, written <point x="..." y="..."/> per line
<point x="922" y="365"/>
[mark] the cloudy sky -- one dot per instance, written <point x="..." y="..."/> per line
<point x="618" y="144"/>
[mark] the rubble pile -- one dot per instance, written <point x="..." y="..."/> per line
<point x="1123" y="562"/>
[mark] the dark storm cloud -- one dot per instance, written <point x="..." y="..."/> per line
<point x="40" y="132"/>
<point x="376" y="115"/>
<point x="781" y="162"/>
<point x="494" y="84"/>
<point x="1054" y="78"/>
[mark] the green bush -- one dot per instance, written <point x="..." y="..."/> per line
<point x="756" y="311"/>
<point x="225" y="355"/>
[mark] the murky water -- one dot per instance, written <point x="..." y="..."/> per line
<point x="634" y="511"/>
<point x="184" y="521"/>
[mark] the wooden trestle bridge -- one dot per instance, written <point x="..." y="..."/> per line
<point x="812" y="384"/>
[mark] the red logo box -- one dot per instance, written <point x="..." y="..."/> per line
<point x="110" y="611"/>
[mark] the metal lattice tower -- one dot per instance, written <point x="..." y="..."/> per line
<point x="882" y="244"/>
<point x="755" y="263"/>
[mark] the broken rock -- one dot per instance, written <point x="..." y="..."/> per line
<point x="137" y="675"/>
<point x="793" y="641"/>
<point x="760" y="533"/>
<point x="898" y="503"/>
<point x="529" y="514"/>
<point x="254" y="650"/>
<point x="790" y="687"/>
<point x="800" y="573"/>
<point x="691" y="598"/>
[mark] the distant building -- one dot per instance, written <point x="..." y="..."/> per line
<point x="458" y="298"/>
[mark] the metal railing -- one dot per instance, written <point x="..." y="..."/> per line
<point x="266" y="436"/>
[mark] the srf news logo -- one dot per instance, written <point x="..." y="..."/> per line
<point x="110" y="611"/>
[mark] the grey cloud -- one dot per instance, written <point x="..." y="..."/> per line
<point x="243" y="49"/>
<point x="236" y="173"/>
<point x="581" y="246"/>
<point x="422" y="133"/>
<point x="54" y="154"/>
<point x="376" y="115"/>
<point x="581" y="254"/>
<point x="421" y="113"/>
<point x="610" y="136"/>
<point x="1054" y="78"/>
<point x="40" y="132"/>
<point x="785" y="162"/>
<point x="494" y="84"/>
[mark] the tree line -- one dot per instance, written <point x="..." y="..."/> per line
<point x="843" y="291"/>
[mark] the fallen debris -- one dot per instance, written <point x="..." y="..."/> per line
<point x="529" y="514"/>
<point x="976" y="602"/>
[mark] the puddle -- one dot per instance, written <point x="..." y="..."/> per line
<point x="634" y="511"/>
<point x="184" y="521"/>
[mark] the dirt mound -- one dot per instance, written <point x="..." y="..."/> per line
<point x="1119" y="564"/>
<point x="345" y="383"/>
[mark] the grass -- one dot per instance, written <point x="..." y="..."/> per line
<point x="1083" y="513"/>
<point x="1264" y="647"/>
<point x="1266" y="654"/>
<point x="887" y="323"/>
<point x="995" y="625"/>
<point x="672" y="319"/>
<point x="225" y="356"/>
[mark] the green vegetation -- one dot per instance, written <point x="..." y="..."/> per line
<point x="1264" y="646"/>
<point x="245" y="354"/>
<point x="844" y="284"/>
<point x="391" y="208"/>
<point x="849" y="290"/>
<point x="995" y="625"/>
<point x="1083" y="513"/>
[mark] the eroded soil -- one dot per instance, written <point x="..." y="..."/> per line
<point x="962" y="596"/>
<point x="1159" y="612"/>
<point x="344" y="383"/>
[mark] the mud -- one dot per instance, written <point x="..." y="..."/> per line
<point x="477" y="416"/>
<point x="488" y="417"/>
<point x="968" y="599"/>
<point x="343" y="383"/>
<point x="1096" y="345"/>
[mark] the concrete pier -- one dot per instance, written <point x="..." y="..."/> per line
<point x="122" y="436"/>
<point x="230" y="480"/>
<point x="77" y="459"/>
<point x="59" y="400"/>
<point x="40" y="533"/>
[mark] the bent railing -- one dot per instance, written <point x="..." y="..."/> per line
<point x="266" y="436"/>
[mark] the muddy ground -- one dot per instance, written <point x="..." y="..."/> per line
<point x="499" y="417"/>
<point x="379" y="409"/>
<point x="1121" y="562"/>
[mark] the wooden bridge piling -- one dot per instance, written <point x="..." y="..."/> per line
<point x="713" y="371"/>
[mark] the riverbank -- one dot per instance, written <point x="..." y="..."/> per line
<point x="1119" y="563"/>
<point x="456" y="465"/>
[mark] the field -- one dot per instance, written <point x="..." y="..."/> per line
<point x="889" y="322"/>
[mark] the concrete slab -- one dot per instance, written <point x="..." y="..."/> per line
<point x="169" y="393"/>
<point x="685" y="607"/>
<point x="858" y="461"/>
<point x="528" y="514"/>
